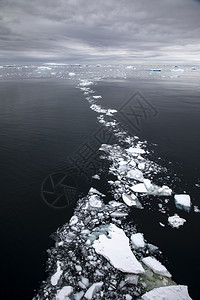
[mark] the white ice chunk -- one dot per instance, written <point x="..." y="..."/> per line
<point x="96" y="176"/>
<point x="183" y="201"/>
<point x="79" y="295"/>
<point x="156" y="266"/>
<point x="97" y="97"/>
<point x="139" y="188"/>
<point x="73" y="220"/>
<point x="93" y="289"/>
<point x="141" y="166"/>
<point x="118" y="214"/>
<point x="137" y="240"/>
<point x="116" y="249"/>
<point x="151" y="189"/>
<point x="172" y="292"/>
<point x="175" y="221"/>
<point x="129" y="200"/>
<point x="95" y="191"/>
<point x="64" y="293"/>
<point x="177" y="70"/>
<point x="133" y="150"/>
<point x="71" y="74"/>
<point x="56" y="276"/>
<point x="135" y="174"/>
<point x="95" y="201"/>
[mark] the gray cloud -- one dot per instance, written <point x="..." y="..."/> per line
<point x="107" y="31"/>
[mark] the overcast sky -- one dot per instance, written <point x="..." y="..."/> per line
<point x="100" y="31"/>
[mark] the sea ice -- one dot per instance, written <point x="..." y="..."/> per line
<point x="156" y="266"/>
<point x="135" y="174"/>
<point x="115" y="247"/>
<point x="97" y="97"/>
<point x="93" y="289"/>
<point x="129" y="200"/>
<point x="95" y="201"/>
<point x="64" y="293"/>
<point x="56" y="276"/>
<point x="151" y="189"/>
<point x="172" y="292"/>
<point x="134" y="151"/>
<point x="73" y="220"/>
<point x="175" y="221"/>
<point x="137" y="240"/>
<point x="183" y="201"/>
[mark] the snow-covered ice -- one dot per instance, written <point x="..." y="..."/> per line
<point x="93" y="289"/>
<point x="55" y="277"/>
<point x="182" y="201"/>
<point x="115" y="247"/>
<point x="137" y="240"/>
<point x="173" y="292"/>
<point x="156" y="266"/>
<point x="64" y="293"/>
<point x="176" y="221"/>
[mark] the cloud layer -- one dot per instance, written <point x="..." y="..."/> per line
<point x="122" y="31"/>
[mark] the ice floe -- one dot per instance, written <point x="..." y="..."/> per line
<point x="56" y="276"/>
<point x="137" y="240"/>
<point x="115" y="247"/>
<point x="173" y="292"/>
<point x="156" y="266"/>
<point x="92" y="290"/>
<point x="64" y="293"/>
<point x="176" y="221"/>
<point x="183" y="201"/>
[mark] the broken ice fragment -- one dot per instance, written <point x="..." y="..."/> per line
<point x="118" y="214"/>
<point x="64" y="293"/>
<point x="172" y="292"/>
<point x="137" y="240"/>
<point x="135" y="174"/>
<point x="93" y="289"/>
<point x="95" y="191"/>
<point x="128" y="200"/>
<point x="183" y="201"/>
<point x="151" y="189"/>
<point x="95" y="201"/>
<point x="97" y="97"/>
<point x="56" y="276"/>
<point x="175" y="221"/>
<point x="73" y="220"/>
<point x="135" y="151"/>
<point x="115" y="247"/>
<point x="156" y="266"/>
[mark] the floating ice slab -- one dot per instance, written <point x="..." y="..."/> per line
<point x="151" y="189"/>
<point x="64" y="293"/>
<point x="183" y="201"/>
<point x="134" y="151"/>
<point x="175" y="221"/>
<point x="131" y="200"/>
<point x="92" y="290"/>
<point x="173" y="292"/>
<point x="56" y="276"/>
<point x="156" y="266"/>
<point x="73" y="220"/>
<point x="115" y="248"/>
<point x="137" y="240"/>
<point x="95" y="201"/>
<point x="177" y="70"/>
<point x="97" y="97"/>
<point x="135" y="174"/>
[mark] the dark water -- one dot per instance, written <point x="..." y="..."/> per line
<point x="43" y="122"/>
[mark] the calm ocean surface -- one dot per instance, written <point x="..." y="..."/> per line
<point x="44" y="119"/>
